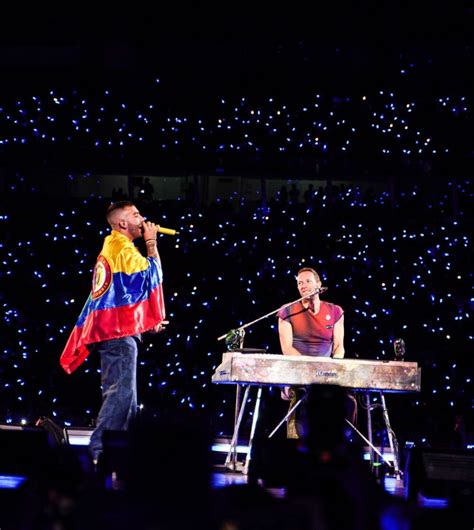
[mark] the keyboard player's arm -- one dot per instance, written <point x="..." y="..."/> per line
<point x="338" y="339"/>
<point x="285" y="332"/>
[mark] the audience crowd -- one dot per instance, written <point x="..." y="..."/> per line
<point x="399" y="265"/>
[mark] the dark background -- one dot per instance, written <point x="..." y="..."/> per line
<point x="201" y="56"/>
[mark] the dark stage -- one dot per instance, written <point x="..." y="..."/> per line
<point x="339" y="140"/>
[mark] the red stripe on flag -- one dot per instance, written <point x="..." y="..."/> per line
<point x="112" y="323"/>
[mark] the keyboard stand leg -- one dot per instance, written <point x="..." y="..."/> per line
<point x="238" y="391"/>
<point x="392" y="440"/>
<point x="238" y="402"/>
<point x="369" y="429"/>
<point x="231" y="460"/>
<point x="252" y="430"/>
<point x="372" y="446"/>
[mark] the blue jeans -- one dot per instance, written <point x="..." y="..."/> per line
<point x="118" y="360"/>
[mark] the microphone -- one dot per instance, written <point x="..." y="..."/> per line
<point x="399" y="348"/>
<point x="167" y="231"/>
<point x="318" y="291"/>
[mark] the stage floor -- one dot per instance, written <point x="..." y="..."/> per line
<point x="222" y="477"/>
<point x="231" y="484"/>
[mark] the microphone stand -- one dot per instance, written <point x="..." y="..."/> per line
<point x="234" y="340"/>
<point x="238" y="334"/>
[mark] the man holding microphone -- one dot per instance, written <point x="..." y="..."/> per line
<point x="126" y="300"/>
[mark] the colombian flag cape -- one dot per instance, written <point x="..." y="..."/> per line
<point x="126" y="299"/>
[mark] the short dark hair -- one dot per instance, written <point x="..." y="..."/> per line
<point x="309" y="269"/>
<point x="119" y="205"/>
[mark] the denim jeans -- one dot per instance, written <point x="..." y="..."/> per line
<point x="118" y="360"/>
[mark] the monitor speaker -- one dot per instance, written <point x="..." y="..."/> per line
<point x="440" y="473"/>
<point x="23" y="451"/>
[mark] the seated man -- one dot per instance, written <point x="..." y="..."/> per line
<point x="309" y="327"/>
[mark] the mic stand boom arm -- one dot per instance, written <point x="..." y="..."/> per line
<point x="239" y="330"/>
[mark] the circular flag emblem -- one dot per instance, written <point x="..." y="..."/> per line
<point x="101" y="278"/>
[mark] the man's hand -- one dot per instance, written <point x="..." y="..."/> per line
<point x="286" y="393"/>
<point x="160" y="327"/>
<point x="149" y="230"/>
